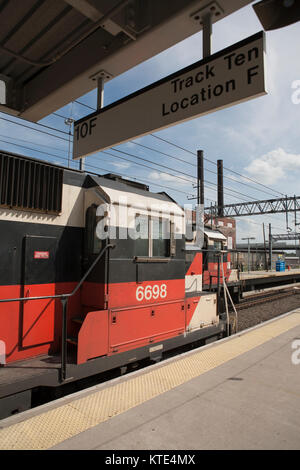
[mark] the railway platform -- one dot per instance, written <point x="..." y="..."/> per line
<point x="242" y="392"/>
<point x="267" y="274"/>
<point x="292" y="275"/>
<point x="240" y="283"/>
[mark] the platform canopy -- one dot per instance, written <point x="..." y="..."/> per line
<point x="52" y="51"/>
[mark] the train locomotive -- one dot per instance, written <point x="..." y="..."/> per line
<point x="119" y="249"/>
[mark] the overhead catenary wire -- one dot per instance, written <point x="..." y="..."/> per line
<point x="34" y="129"/>
<point x="181" y="160"/>
<point x="126" y="175"/>
<point x="214" y="163"/>
<point x="257" y="223"/>
<point x="97" y="167"/>
<point x="195" y="166"/>
<point x="37" y="124"/>
<point x="155" y="150"/>
<point x="32" y="143"/>
<point x="178" y="171"/>
<point x="172" y="175"/>
<point x="135" y="156"/>
<point x="115" y="156"/>
<point x="86" y="105"/>
<point x="192" y="153"/>
<point x="136" y="163"/>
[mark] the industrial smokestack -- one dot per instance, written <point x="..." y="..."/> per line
<point x="220" y="189"/>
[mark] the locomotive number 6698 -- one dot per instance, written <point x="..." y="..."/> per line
<point x="151" y="292"/>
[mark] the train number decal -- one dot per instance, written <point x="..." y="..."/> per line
<point x="151" y="292"/>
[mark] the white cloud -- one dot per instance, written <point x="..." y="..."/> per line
<point x="253" y="227"/>
<point x="157" y="175"/>
<point x="121" y="165"/>
<point x="249" y="228"/>
<point x="129" y="144"/>
<point x="273" y="166"/>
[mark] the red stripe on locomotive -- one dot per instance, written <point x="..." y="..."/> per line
<point x="196" y="265"/>
<point x="32" y="328"/>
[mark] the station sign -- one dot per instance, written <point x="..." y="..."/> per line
<point x="231" y="76"/>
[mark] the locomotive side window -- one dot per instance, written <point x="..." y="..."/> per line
<point x="93" y="244"/>
<point x="160" y="237"/>
<point x="153" y="237"/>
<point x="142" y="230"/>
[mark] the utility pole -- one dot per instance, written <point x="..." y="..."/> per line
<point x="248" y="238"/>
<point x="200" y="178"/>
<point x="266" y="264"/>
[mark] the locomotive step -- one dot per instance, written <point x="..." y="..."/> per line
<point x="72" y="340"/>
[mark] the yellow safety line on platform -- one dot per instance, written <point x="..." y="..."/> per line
<point x="57" y="425"/>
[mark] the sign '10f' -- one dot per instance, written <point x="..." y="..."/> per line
<point x="229" y="77"/>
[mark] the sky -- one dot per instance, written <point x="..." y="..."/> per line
<point x="259" y="139"/>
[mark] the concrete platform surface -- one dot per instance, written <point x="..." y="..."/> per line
<point x="273" y="273"/>
<point x="239" y="393"/>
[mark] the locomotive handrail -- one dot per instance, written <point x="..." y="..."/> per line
<point x="59" y="296"/>
<point x="64" y="300"/>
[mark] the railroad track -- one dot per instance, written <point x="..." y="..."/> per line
<point x="266" y="297"/>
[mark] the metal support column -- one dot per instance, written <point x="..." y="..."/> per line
<point x="207" y="32"/>
<point x="100" y="101"/>
<point x="69" y="121"/>
<point x="100" y="92"/>
<point x="248" y="238"/>
<point x="63" y="369"/>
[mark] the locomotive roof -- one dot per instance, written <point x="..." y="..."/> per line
<point x="124" y="186"/>
<point x="90" y="179"/>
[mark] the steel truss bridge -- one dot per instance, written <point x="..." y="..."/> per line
<point x="267" y="206"/>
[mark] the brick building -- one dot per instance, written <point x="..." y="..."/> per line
<point x="225" y="225"/>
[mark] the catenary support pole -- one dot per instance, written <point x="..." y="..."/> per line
<point x="220" y="189"/>
<point x="200" y="178"/>
<point x="265" y="249"/>
<point x="270" y="246"/>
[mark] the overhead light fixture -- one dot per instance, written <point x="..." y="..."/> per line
<point x="274" y="14"/>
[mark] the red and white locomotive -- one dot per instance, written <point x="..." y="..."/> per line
<point x="143" y="296"/>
